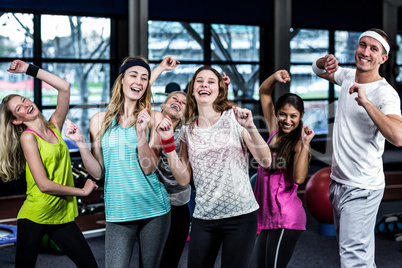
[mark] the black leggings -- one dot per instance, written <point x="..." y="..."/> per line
<point x="274" y="248"/>
<point x="67" y="237"/>
<point x="179" y="227"/>
<point x="235" y="234"/>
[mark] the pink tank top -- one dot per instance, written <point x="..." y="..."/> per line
<point x="280" y="207"/>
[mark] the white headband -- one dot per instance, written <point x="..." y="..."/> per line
<point x="377" y="37"/>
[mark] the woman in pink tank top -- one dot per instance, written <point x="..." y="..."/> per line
<point x="281" y="216"/>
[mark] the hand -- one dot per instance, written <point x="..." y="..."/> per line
<point x="73" y="132"/>
<point x="307" y="134"/>
<point x="143" y="119"/>
<point x="331" y="64"/>
<point x="282" y="76"/>
<point x="244" y="117"/>
<point x="18" y="66"/>
<point x="226" y="79"/>
<point x="165" y="128"/>
<point x="361" y="94"/>
<point x="169" y="63"/>
<point x="89" y="186"/>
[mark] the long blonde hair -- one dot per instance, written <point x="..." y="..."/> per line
<point x="221" y="103"/>
<point x="12" y="160"/>
<point x="116" y="105"/>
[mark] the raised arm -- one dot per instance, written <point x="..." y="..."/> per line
<point x="92" y="159"/>
<point x="167" y="64"/>
<point x="148" y="152"/>
<point x="325" y="67"/>
<point x="266" y="89"/>
<point x="31" y="153"/>
<point x="301" y="156"/>
<point x="389" y="125"/>
<point x="255" y="143"/>
<point x="63" y="87"/>
<point x="180" y="166"/>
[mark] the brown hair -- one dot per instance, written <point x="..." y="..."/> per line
<point x="220" y="104"/>
<point x="284" y="149"/>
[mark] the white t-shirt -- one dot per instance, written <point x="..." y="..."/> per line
<point x="218" y="158"/>
<point x="357" y="143"/>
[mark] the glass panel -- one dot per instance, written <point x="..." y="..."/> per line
<point x="308" y="45"/>
<point x="16" y="35"/>
<point x="316" y="116"/>
<point x="10" y="83"/>
<point x="79" y="116"/>
<point x="244" y="80"/>
<point x="306" y="84"/>
<point x="75" y="37"/>
<point x="181" y="40"/>
<point x="235" y="42"/>
<point x="399" y="77"/>
<point x="345" y="46"/>
<point x="89" y="83"/>
<point x="399" y="52"/>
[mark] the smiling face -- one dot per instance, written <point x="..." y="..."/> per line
<point x="135" y="82"/>
<point x="369" y="54"/>
<point x="174" y="106"/>
<point x="22" y="109"/>
<point x="288" y="118"/>
<point x="206" y="87"/>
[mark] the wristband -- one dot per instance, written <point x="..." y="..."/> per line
<point x="227" y="85"/>
<point x="32" y="70"/>
<point x="317" y="70"/>
<point x="168" y="145"/>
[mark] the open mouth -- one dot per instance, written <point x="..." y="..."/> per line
<point x="204" y="93"/>
<point x="135" y="89"/>
<point x="286" y="126"/>
<point x="175" y="107"/>
<point x="30" y="110"/>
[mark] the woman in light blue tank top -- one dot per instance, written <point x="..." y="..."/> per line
<point x="125" y="151"/>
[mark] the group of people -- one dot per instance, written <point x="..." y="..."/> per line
<point x="150" y="158"/>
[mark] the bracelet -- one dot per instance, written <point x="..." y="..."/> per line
<point x="32" y="70"/>
<point x="168" y="145"/>
<point x="317" y="70"/>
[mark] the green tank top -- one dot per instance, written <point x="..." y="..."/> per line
<point x="44" y="208"/>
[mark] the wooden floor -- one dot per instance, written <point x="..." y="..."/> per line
<point x="10" y="205"/>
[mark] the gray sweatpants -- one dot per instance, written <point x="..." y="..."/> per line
<point x="120" y="239"/>
<point x="355" y="213"/>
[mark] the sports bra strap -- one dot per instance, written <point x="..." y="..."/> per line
<point x="28" y="129"/>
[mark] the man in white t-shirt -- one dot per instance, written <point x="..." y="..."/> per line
<point x="368" y="113"/>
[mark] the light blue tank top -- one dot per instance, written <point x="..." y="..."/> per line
<point x="129" y="194"/>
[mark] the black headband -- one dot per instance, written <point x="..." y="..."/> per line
<point x="136" y="63"/>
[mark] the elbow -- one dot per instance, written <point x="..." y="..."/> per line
<point x="299" y="179"/>
<point x="181" y="183"/>
<point x="265" y="162"/>
<point x="44" y="188"/>
<point x="66" y="87"/>
<point x="184" y="182"/>
<point x="398" y="142"/>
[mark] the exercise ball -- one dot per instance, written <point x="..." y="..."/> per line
<point x="316" y="196"/>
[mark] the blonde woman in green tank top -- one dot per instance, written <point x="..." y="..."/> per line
<point x="29" y="140"/>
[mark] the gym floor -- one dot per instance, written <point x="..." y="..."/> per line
<point x="312" y="250"/>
